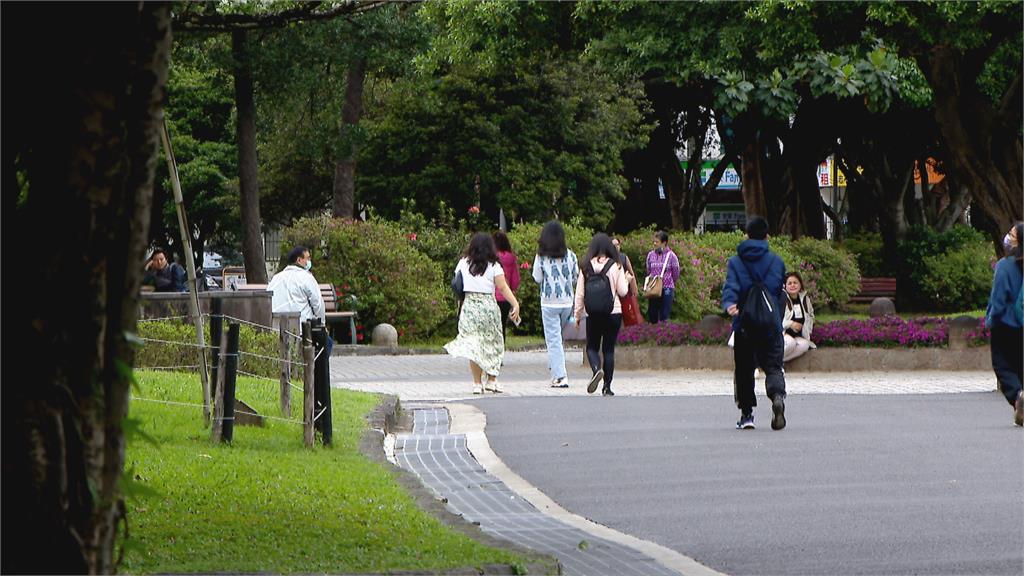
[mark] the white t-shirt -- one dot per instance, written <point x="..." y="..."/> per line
<point x="483" y="283"/>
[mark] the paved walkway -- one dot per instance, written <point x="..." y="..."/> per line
<point x="460" y="467"/>
<point x="441" y="377"/>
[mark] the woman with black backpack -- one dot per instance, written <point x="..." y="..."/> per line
<point x="598" y="290"/>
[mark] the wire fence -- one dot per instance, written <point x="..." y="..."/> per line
<point x="264" y="355"/>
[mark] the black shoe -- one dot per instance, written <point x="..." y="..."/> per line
<point x="1018" y="410"/>
<point x="778" y="412"/>
<point x="607" y="391"/>
<point x="746" y="422"/>
<point x="594" y="381"/>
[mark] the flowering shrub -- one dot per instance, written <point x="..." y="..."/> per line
<point x="671" y="334"/>
<point x="375" y="261"/>
<point x="887" y="332"/>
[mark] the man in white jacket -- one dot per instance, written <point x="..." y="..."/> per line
<point x="296" y="290"/>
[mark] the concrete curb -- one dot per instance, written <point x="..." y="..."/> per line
<point x="385" y="420"/>
<point x="818" y="360"/>
<point x="471" y="421"/>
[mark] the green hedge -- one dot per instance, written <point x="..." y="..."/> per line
<point x="830" y="275"/>
<point x="157" y="354"/>
<point x="949" y="272"/>
<point x="392" y="280"/>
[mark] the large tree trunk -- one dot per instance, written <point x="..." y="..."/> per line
<point x="984" y="143"/>
<point x="752" y="180"/>
<point x="248" y="175"/>
<point x="345" y="169"/>
<point x="84" y="133"/>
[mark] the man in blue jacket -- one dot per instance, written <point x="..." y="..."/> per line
<point x="764" y="348"/>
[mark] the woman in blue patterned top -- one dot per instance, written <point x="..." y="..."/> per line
<point x="556" y="269"/>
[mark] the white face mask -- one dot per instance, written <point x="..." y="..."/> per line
<point x="309" y="264"/>
<point x="1008" y="242"/>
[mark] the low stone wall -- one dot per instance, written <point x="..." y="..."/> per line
<point x="819" y="360"/>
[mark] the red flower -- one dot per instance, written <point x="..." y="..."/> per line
<point x="411" y="236"/>
<point x="525" y="265"/>
<point x="474" y="209"/>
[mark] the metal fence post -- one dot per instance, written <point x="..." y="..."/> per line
<point x="307" y="384"/>
<point x="322" y="383"/>
<point x="230" y="377"/>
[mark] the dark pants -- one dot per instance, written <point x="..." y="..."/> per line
<point x="602" y="332"/>
<point x="658" y="309"/>
<point x="505" y="308"/>
<point x="1007" y="359"/>
<point x="750" y="352"/>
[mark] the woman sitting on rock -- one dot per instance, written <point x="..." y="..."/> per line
<point x="799" y="318"/>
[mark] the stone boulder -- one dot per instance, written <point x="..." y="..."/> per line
<point x="711" y="323"/>
<point x="384" y="335"/>
<point x="959" y="327"/>
<point x="881" y="307"/>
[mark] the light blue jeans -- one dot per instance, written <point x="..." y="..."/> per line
<point x="554" y="320"/>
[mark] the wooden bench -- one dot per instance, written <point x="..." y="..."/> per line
<point x="331" y="313"/>
<point x="871" y="288"/>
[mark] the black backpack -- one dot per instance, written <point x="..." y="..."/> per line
<point x="597" y="290"/>
<point x="759" y="315"/>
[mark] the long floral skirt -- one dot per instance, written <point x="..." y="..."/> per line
<point x="479" y="338"/>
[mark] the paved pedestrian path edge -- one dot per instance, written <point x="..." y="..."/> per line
<point x="471" y="421"/>
<point x="382" y="423"/>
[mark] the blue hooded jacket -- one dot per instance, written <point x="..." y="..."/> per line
<point x="764" y="264"/>
<point x="1006" y="291"/>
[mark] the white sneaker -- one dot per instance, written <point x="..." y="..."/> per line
<point x="493" y="386"/>
<point x="478" y="389"/>
<point x="562" y="382"/>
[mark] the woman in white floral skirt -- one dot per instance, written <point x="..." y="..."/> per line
<point x="480" y="340"/>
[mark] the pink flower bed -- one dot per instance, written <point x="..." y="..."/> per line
<point x="885" y="332"/>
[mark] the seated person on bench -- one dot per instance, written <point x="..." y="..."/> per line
<point x="296" y="290"/>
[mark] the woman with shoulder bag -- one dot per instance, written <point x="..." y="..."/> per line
<point x="662" y="259"/>
<point x="631" y="315"/>
<point x="480" y="340"/>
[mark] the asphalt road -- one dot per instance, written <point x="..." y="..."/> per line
<point x="893" y="484"/>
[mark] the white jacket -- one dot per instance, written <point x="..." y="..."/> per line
<point x="787" y="320"/>
<point x="296" y="290"/>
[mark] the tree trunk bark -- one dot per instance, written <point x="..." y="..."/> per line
<point x="248" y="170"/>
<point x="86" y="133"/>
<point x="976" y="136"/>
<point x="752" y="180"/>
<point x="345" y="169"/>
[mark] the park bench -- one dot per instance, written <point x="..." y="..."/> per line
<point x="871" y="288"/>
<point x="331" y="312"/>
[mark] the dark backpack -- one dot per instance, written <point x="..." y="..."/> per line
<point x="597" y="290"/>
<point x="759" y="315"/>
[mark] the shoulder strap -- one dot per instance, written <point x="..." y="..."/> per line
<point x="607" y="266"/>
<point x="664" y="265"/>
<point x="749" y="271"/>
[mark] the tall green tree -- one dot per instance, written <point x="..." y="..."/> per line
<point x="80" y="140"/>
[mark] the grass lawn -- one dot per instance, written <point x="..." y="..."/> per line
<point x="266" y="503"/>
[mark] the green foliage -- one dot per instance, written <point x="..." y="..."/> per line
<point x="830" y="274"/>
<point x="944" y="271"/>
<point x="542" y="141"/>
<point x="867" y="248"/>
<point x="290" y="509"/>
<point x="392" y="280"/>
<point x="442" y="239"/>
<point x="250" y="339"/>
<point x="524" y="243"/>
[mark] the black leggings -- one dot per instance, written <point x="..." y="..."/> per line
<point x="602" y="332"/>
<point x="505" y="307"/>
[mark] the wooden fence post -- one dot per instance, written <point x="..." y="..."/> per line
<point x="216" y="332"/>
<point x="230" y="377"/>
<point x="218" y="394"/>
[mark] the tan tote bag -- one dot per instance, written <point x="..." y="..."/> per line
<point x="654" y="284"/>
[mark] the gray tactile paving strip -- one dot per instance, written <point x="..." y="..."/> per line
<point x="444" y="464"/>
